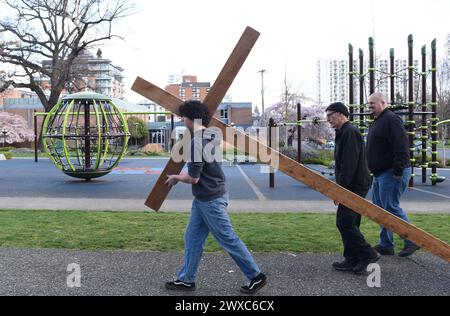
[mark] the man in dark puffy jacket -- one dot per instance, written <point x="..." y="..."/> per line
<point x="389" y="161"/>
<point x="353" y="174"/>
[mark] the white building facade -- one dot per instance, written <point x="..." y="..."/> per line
<point x="332" y="80"/>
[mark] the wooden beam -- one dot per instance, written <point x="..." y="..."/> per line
<point x="212" y="101"/>
<point x="301" y="173"/>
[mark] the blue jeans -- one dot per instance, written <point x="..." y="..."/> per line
<point x="387" y="192"/>
<point x="212" y="217"/>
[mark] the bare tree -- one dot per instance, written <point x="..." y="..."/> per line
<point x="56" y="31"/>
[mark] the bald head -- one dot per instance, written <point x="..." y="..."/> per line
<point x="377" y="103"/>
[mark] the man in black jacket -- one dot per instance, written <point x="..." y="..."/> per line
<point x="389" y="161"/>
<point x="353" y="174"/>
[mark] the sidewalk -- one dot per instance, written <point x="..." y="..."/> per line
<point x="44" y="272"/>
<point x="236" y="206"/>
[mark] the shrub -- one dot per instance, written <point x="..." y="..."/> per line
<point x="318" y="157"/>
<point x="140" y="153"/>
<point x="7" y="155"/>
<point x="318" y="161"/>
<point x="5" y="149"/>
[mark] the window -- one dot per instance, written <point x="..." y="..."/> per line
<point x="224" y="114"/>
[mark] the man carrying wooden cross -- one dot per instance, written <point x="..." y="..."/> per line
<point x="209" y="208"/>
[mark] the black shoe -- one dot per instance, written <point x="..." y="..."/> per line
<point x="345" y="266"/>
<point x="180" y="286"/>
<point x="384" y="251"/>
<point x="361" y="267"/>
<point x="255" y="285"/>
<point x="408" y="251"/>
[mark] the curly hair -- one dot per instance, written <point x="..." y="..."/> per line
<point x="195" y="110"/>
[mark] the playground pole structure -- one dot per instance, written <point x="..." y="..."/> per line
<point x="351" y="86"/>
<point x="424" y="126"/>
<point x="362" y="118"/>
<point x="411" y="113"/>
<point x="392" y="77"/>
<point x="372" y="70"/>
<point x="411" y="104"/>
<point x="434" y="119"/>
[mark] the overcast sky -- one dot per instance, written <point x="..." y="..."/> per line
<point x="196" y="37"/>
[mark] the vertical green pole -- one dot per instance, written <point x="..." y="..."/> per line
<point x="351" y="88"/>
<point x="392" y="79"/>
<point x="434" y="119"/>
<point x="424" y="126"/>
<point x="362" y="106"/>
<point x="411" y="104"/>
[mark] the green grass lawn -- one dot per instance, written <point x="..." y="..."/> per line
<point x="164" y="231"/>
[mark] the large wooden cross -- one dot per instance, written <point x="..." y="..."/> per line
<point x="284" y="163"/>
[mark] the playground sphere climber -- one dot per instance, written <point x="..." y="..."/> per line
<point x="353" y="174"/>
<point x="389" y="161"/>
<point x="209" y="208"/>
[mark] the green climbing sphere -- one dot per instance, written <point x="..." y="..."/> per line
<point x="85" y="135"/>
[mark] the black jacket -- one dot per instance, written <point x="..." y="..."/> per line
<point x="388" y="145"/>
<point x="352" y="172"/>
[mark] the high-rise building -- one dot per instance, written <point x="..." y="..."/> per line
<point x="447" y="46"/>
<point x="92" y="73"/>
<point x="332" y="80"/>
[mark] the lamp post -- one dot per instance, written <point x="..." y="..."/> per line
<point x="262" y="72"/>
<point x="4" y="133"/>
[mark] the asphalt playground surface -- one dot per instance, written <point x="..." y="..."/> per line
<point x="45" y="272"/>
<point x="25" y="184"/>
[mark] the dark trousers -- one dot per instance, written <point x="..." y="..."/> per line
<point x="348" y="222"/>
